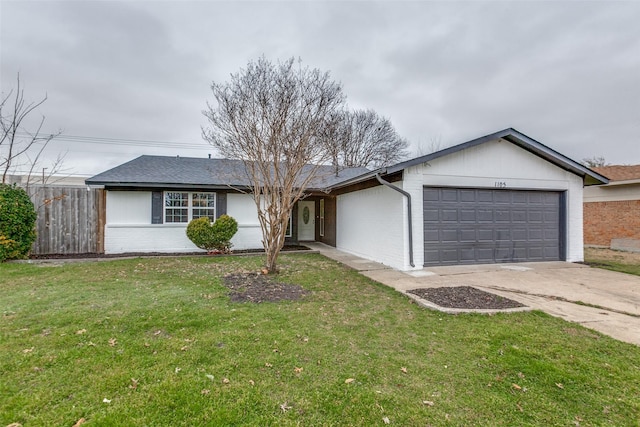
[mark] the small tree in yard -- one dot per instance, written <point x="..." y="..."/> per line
<point x="274" y="116"/>
<point x="213" y="237"/>
<point x="17" y="222"/>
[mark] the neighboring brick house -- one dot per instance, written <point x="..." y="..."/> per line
<point x="612" y="211"/>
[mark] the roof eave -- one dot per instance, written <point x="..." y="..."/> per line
<point x="622" y="182"/>
<point x="523" y="141"/>
<point x="589" y="176"/>
<point x="150" y="185"/>
<point x="357" y="179"/>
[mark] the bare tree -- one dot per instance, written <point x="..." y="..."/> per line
<point x="594" y="162"/>
<point x="19" y="146"/>
<point x="273" y="117"/>
<point x="362" y="138"/>
<point x="424" y="148"/>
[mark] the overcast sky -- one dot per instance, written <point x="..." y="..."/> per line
<point x="565" y="73"/>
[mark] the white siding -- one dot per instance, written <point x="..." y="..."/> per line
<point x="371" y="224"/>
<point x="128" y="225"/>
<point x="611" y="193"/>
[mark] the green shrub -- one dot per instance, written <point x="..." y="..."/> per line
<point x="17" y="222"/>
<point x="213" y="237"/>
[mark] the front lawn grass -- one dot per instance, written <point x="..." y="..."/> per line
<point x="157" y="342"/>
<point x="623" y="262"/>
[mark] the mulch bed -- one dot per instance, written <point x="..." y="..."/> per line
<point x="257" y="288"/>
<point x="286" y="248"/>
<point x="465" y="297"/>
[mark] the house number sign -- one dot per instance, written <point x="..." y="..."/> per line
<point x="305" y="214"/>
<point x="500" y="184"/>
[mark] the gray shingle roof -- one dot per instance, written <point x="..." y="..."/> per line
<point x="172" y="172"/>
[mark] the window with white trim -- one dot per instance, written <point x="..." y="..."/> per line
<point x="182" y="207"/>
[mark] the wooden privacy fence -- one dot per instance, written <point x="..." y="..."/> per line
<point x="70" y="220"/>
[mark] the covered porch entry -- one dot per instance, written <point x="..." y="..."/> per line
<point x="313" y="219"/>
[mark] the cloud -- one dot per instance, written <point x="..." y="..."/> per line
<point x="563" y="72"/>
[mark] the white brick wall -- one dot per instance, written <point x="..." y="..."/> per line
<point x="370" y="224"/>
<point x="128" y="225"/>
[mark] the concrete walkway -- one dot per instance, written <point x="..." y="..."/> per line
<point x="602" y="300"/>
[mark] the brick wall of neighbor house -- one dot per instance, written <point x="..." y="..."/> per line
<point x="604" y="221"/>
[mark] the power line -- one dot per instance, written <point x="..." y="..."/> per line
<point x="126" y="142"/>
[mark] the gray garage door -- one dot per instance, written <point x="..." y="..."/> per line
<point x="477" y="226"/>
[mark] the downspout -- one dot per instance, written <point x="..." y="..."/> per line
<point x="409" y="216"/>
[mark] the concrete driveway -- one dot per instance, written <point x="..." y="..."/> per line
<point x="602" y="300"/>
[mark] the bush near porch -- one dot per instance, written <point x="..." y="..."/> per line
<point x="158" y="342"/>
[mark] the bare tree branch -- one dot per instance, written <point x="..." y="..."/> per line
<point x="273" y="116"/>
<point x="16" y="142"/>
<point x="594" y="162"/>
<point x="362" y="138"/>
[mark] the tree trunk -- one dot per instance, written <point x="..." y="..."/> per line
<point x="272" y="259"/>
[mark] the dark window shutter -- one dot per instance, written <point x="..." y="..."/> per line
<point x="156" y="207"/>
<point x="221" y="207"/>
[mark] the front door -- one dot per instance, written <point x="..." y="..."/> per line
<point x="306" y="221"/>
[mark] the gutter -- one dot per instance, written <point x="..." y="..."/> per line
<point x="409" y="216"/>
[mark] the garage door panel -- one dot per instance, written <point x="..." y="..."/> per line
<point x="519" y="254"/>
<point x="519" y="216"/>
<point x="468" y="235"/>
<point x="468" y="196"/>
<point x="466" y="226"/>
<point x="484" y="196"/>
<point x="503" y="235"/>
<point x="432" y="215"/>
<point x="535" y="198"/>
<point x="449" y="236"/>
<point x="432" y="257"/>
<point x="550" y="199"/>
<point x="551" y="252"/>
<point x="485" y="235"/>
<point x="468" y="215"/>
<point x="467" y="255"/>
<point x="449" y="256"/>
<point x="550" y="234"/>
<point x="536" y="234"/>
<point x="535" y="254"/>
<point x="501" y="215"/>
<point x="520" y="198"/>
<point x="484" y="255"/>
<point x="431" y="236"/>
<point x="485" y="215"/>
<point x="449" y="215"/>
<point x="501" y="197"/>
<point x="550" y="217"/>
<point x="535" y="216"/>
<point x="503" y="254"/>
<point x="449" y="195"/>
